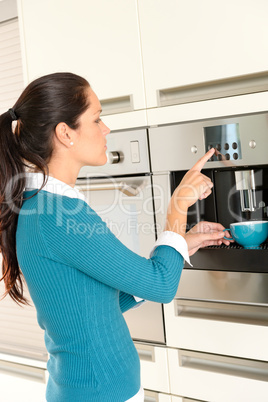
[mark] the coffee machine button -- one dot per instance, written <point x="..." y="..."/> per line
<point x="194" y="149"/>
<point x="226" y="146"/>
<point x="219" y="157"/>
<point x="234" y="145"/>
<point x="235" y="155"/>
<point x="252" y="144"/>
<point x="227" y="156"/>
<point x="218" y="147"/>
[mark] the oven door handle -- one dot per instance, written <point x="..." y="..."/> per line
<point x="122" y="186"/>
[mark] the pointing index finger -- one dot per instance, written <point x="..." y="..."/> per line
<point x="201" y="162"/>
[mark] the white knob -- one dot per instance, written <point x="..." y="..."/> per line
<point x="194" y="149"/>
<point x="252" y="144"/>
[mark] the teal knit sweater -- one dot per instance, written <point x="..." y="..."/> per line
<point x="81" y="278"/>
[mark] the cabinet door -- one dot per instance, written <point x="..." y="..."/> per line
<point x="22" y="383"/>
<point x="154" y="367"/>
<point x="220" y="328"/>
<point x="189" y="42"/>
<point x="151" y="396"/>
<point x="96" y="39"/>
<point x="216" y="378"/>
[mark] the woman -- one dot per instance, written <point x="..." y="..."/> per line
<point x="81" y="284"/>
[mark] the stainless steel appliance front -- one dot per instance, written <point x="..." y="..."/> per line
<point x="121" y="193"/>
<point x="222" y="274"/>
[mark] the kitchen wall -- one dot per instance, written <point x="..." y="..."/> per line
<point x="11" y="75"/>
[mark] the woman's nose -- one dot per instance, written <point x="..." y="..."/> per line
<point x="105" y="129"/>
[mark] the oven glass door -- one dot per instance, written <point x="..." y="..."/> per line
<point x="126" y="205"/>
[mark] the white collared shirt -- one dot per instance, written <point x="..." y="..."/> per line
<point x="35" y="181"/>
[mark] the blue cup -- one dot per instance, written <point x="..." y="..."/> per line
<point x="249" y="234"/>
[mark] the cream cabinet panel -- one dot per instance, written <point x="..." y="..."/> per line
<point x="189" y="42"/>
<point x="214" y="330"/>
<point x="128" y="120"/>
<point x="209" y="109"/>
<point x="216" y="378"/>
<point x="151" y="396"/>
<point x="22" y="383"/>
<point x="96" y="39"/>
<point x="154" y="367"/>
<point x="179" y="399"/>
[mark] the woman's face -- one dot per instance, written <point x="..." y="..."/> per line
<point x="90" y="141"/>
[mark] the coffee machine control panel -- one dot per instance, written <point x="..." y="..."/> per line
<point x="226" y="141"/>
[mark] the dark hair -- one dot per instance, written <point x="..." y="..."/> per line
<point x="45" y="102"/>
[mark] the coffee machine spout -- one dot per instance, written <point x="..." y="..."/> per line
<point x="245" y="183"/>
<point x="247" y="200"/>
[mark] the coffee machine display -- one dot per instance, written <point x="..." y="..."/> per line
<point x="225" y="139"/>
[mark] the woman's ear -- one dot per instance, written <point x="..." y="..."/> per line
<point x="64" y="134"/>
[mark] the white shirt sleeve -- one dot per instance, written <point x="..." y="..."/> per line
<point x="138" y="300"/>
<point x="172" y="239"/>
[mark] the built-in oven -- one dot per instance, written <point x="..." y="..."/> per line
<point x="216" y="327"/>
<point x="121" y="193"/>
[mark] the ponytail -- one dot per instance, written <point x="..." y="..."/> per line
<point x="12" y="186"/>
<point x="47" y="101"/>
<point x="11" y="166"/>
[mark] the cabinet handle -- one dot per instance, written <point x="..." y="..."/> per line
<point x="217" y="311"/>
<point x="120" y="104"/>
<point x="253" y="369"/>
<point x="222" y="88"/>
<point x="150" y="396"/>
<point x="146" y="352"/>
<point x="130" y="191"/>
<point x="23" y="371"/>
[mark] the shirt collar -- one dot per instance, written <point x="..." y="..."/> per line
<point x="55" y="186"/>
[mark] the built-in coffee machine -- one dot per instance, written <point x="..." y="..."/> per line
<point x="240" y="192"/>
<point x="238" y="170"/>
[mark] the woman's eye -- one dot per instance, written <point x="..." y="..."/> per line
<point x="98" y="121"/>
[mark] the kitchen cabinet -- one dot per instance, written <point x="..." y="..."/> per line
<point x="20" y="334"/>
<point x="220" y="328"/>
<point x="11" y="76"/>
<point x="150" y="396"/>
<point x="208" y="377"/>
<point x="154" y="367"/>
<point x="98" y="40"/>
<point x="22" y="382"/>
<point x="140" y="55"/>
<point x="214" y="346"/>
<point x="209" y="109"/>
<point x="187" y="43"/>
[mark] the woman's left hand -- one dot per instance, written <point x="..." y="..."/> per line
<point x="206" y="234"/>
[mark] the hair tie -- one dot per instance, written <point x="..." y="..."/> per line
<point x="13" y="114"/>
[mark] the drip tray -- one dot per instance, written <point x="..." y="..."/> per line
<point x="231" y="258"/>
<point x="236" y="246"/>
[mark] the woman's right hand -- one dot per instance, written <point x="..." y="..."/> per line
<point x="194" y="184"/>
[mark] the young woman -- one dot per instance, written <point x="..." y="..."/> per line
<point x="81" y="284"/>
